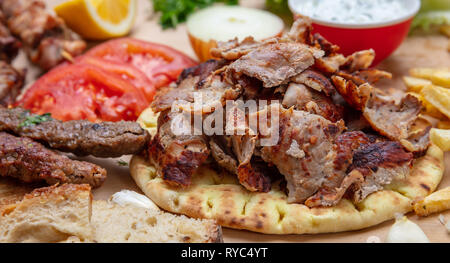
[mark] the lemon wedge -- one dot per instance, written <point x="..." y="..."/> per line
<point x="98" y="19"/>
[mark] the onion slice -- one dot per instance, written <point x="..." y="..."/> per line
<point x="222" y="23"/>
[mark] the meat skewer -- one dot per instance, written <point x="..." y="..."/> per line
<point x="29" y="161"/>
<point x="9" y="45"/>
<point x="11" y="83"/>
<point x="46" y="38"/>
<point x="81" y="137"/>
<point x="11" y="80"/>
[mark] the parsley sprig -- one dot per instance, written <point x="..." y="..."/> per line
<point x="174" y="12"/>
<point x="35" y="119"/>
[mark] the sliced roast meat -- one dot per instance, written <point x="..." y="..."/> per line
<point x="234" y="49"/>
<point x="355" y="96"/>
<point x="315" y="80"/>
<point x="377" y="109"/>
<point x="379" y="163"/>
<point x="359" y="60"/>
<point x="177" y="156"/>
<point x="336" y="185"/>
<point x="301" y="30"/>
<point x="202" y="71"/>
<point x="307" y="99"/>
<point x="305" y="151"/>
<point x="331" y="64"/>
<point x="329" y="48"/>
<point x="189" y="96"/>
<point x="274" y="64"/>
<point x="222" y="153"/>
<point x="371" y="76"/>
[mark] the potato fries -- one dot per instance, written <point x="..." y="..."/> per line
<point x="439" y="76"/>
<point x="438" y="97"/>
<point x="441" y="138"/>
<point x="434" y="203"/>
<point x="416" y="84"/>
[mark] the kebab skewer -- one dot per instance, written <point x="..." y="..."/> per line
<point x="11" y="79"/>
<point x="45" y="37"/>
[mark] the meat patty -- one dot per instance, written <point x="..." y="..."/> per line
<point x="29" y="161"/>
<point x="81" y="137"/>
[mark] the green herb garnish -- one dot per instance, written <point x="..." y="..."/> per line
<point x="122" y="163"/>
<point x="35" y="119"/>
<point x="174" y="12"/>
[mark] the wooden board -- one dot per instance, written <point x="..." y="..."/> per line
<point x="416" y="51"/>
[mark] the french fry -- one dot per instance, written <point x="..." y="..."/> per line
<point x="439" y="76"/>
<point x="434" y="203"/>
<point x="443" y="124"/>
<point x="428" y="109"/>
<point x="415" y="84"/>
<point x="441" y="138"/>
<point x="438" y="97"/>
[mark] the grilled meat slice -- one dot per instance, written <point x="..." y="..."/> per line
<point x="211" y="90"/>
<point x="331" y="64"/>
<point x="9" y="45"/>
<point x="371" y="76"/>
<point x="336" y="185"/>
<point x="274" y="64"/>
<point x="306" y="99"/>
<point x="234" y="49"/>
<point x="222" y="153"/>
<point x="29" y="161"/>
<point x="81" y="137"/>
<point x="11" y="83"/>
<point x="315" y="80"/>
<point x="176" y="157"/>
<point x="45" y="37"/>
<point x="301" y="30"/>
<point x="202" y="70"/>
<point x="379" y="163"/>
<point x="359" y="60"/>
<point x="305" y="151"/>
<point x="377" y="109"/>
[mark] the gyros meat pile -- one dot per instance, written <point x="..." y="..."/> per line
<point x="339" y="136"/>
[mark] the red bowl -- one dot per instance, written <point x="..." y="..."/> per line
<point x="384" y="37"/>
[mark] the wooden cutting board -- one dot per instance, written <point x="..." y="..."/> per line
<point x="430" y="51"/>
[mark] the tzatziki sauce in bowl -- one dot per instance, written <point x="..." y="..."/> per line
<point x="360" y="24"/>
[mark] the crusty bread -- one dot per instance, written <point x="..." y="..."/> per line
<point x="116" y="223"/>
<point x="49" y="214"/>
<point x="67" y="214"/>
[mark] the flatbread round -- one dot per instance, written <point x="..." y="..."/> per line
<point x="221" y="197"/>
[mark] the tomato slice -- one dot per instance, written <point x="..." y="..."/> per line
<point x="85" y="91"/>
<point x="161" y="64"/>
<point x="126" y="72"/>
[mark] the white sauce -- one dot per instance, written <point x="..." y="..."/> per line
<point x="352" y="11"/>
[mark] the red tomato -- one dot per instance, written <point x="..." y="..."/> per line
<point x="126" y="72"/>
<point x="84" y="91"/>
<point x="160" y="63"/>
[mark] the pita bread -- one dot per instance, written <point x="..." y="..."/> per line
<point x="221" y="197"/>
